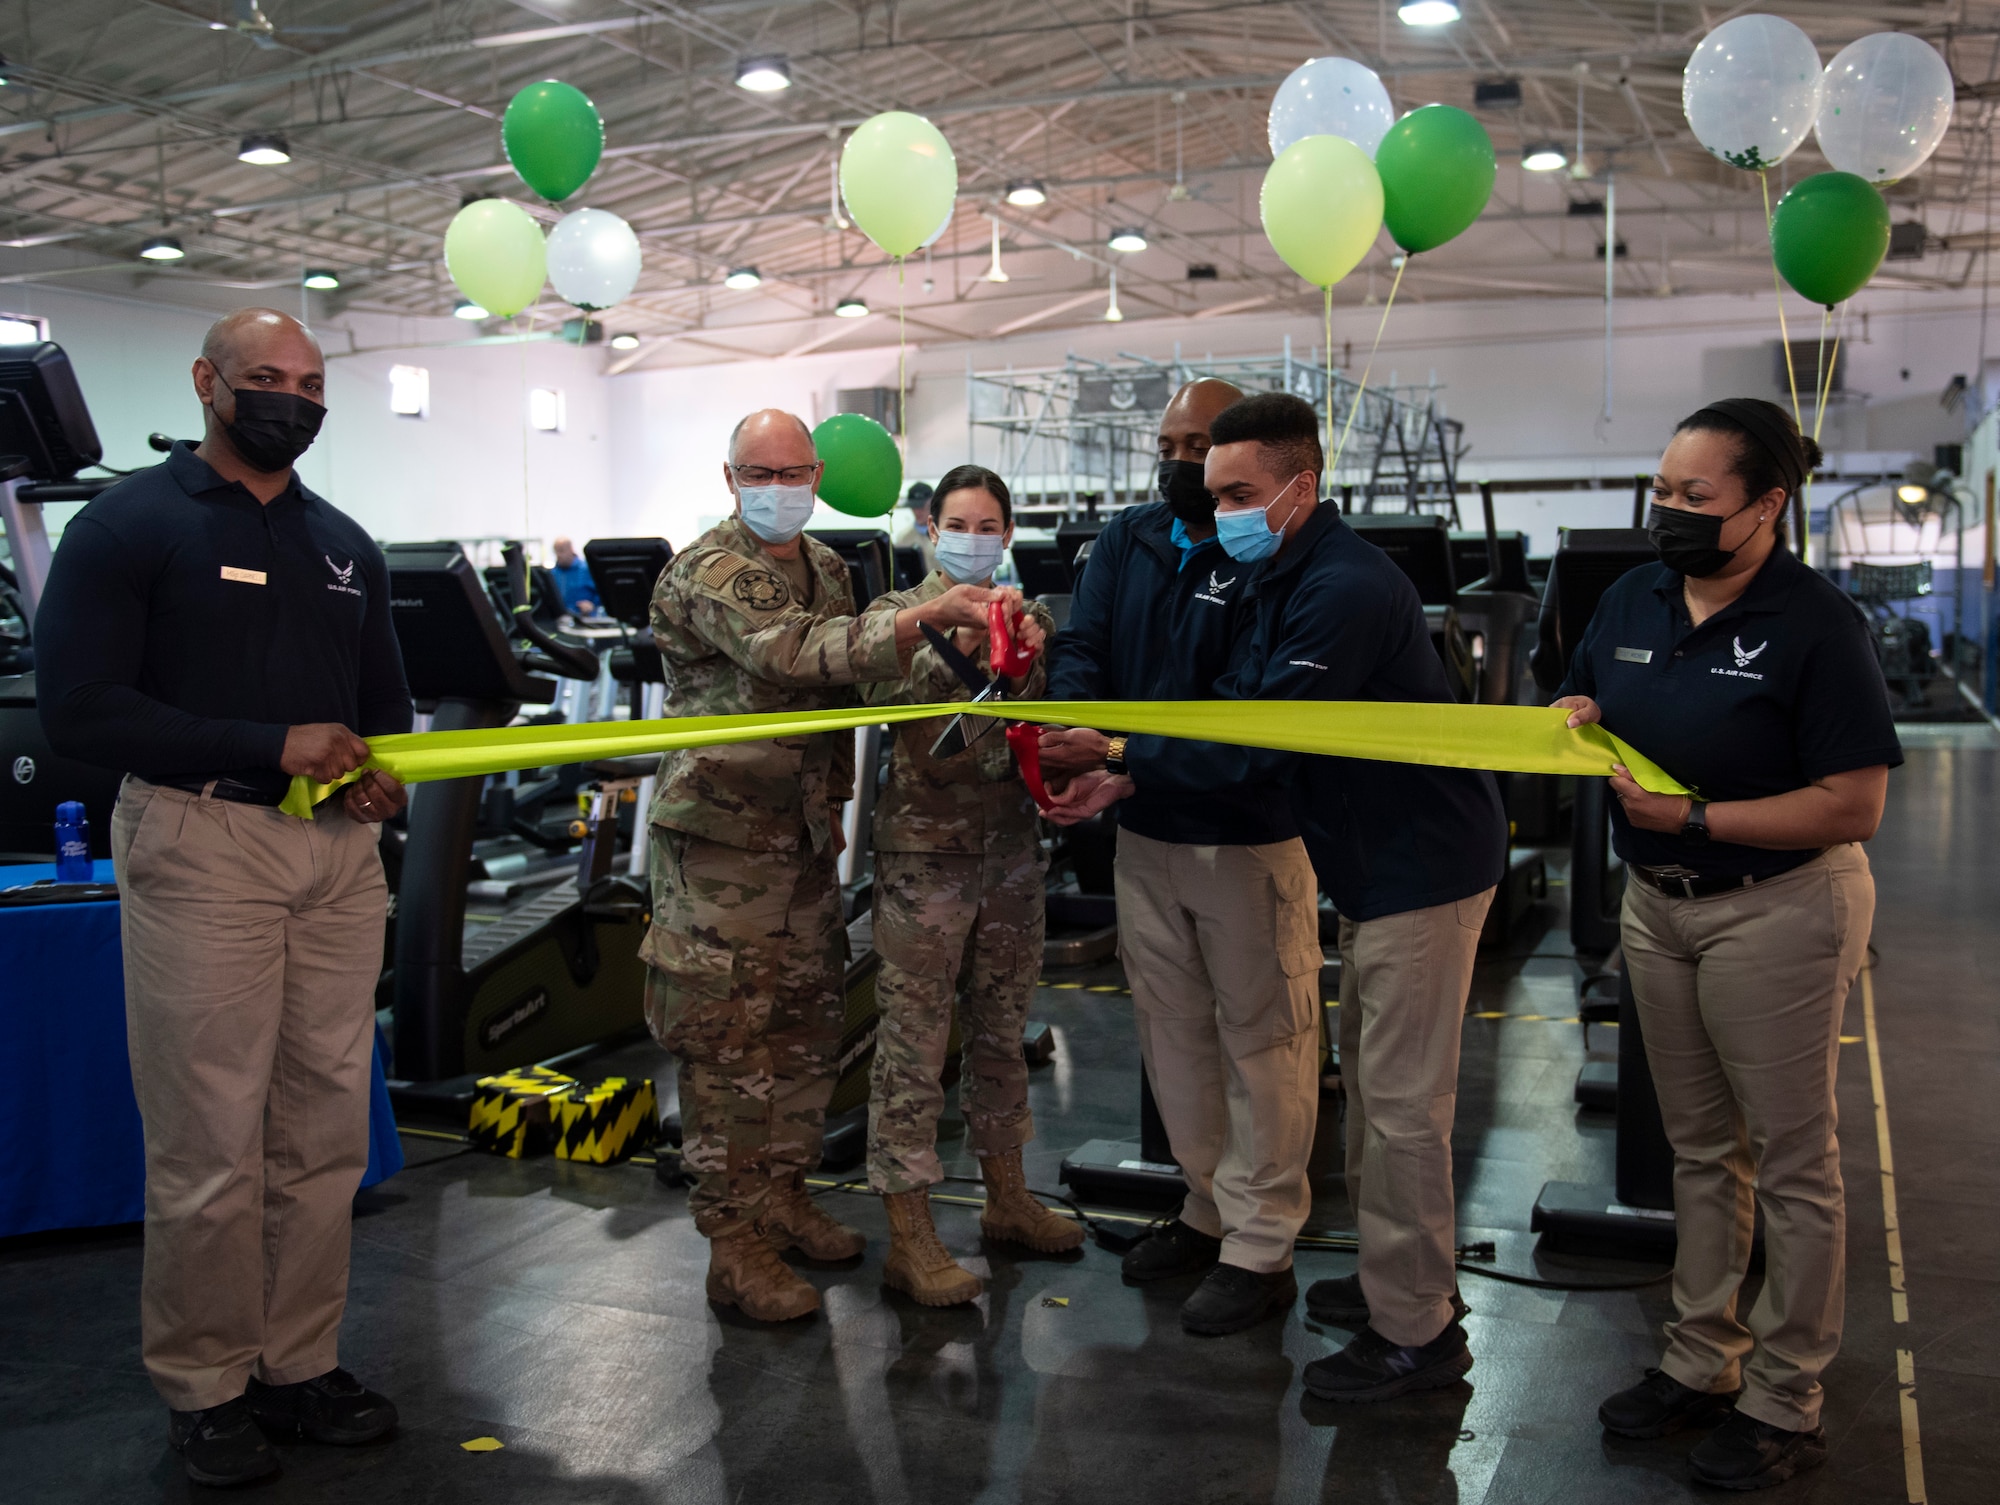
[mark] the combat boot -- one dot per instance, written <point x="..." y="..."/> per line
<point x="1013" y="1215"/>
<point x="791" y="1219"/>
<point x="744" y="1271"/>
<point x="919" y="1265"/>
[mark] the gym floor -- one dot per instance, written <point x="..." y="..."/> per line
<point x="559" y="1309"/>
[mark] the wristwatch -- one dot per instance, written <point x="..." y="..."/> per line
<point x="1694" y="830"/>
<point x="1114" y="755"/>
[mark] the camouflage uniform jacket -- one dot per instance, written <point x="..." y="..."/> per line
<point x="974" y="802"/>
<point x="734" y="641"/>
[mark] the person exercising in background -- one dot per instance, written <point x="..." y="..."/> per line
<point x="579" y="591"/>
<point x="216" y="628"/>
<point x="1218" y="922"/>
<point x="746" y="948"/>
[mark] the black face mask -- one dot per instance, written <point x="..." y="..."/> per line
<point x="1182" y="488"/>
<point x="1690" y="542"/>
<point x="272" y="429"/>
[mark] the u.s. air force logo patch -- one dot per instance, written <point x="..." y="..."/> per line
<point x="760" y="590"/>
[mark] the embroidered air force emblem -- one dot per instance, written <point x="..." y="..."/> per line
<point x="345" y="575"/>
<point x="760" y="590"/>
<point x="1744" y="656"/>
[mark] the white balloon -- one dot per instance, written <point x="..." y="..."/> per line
<point x="1331" y="96"/>
<point x="593" y="258"/>
<point x="1885" y="106"/>
<point x="1751" y="90"/>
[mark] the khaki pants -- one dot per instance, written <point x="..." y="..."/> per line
<point x="747" y="955"/>
<point x="940" y="916"/>
<point x="1740" y="996"/>
<point x="1403" y="985"/>
<point x="253" y="941"/>
<point x="1221" y="946"/>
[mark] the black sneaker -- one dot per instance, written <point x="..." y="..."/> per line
<point x="1233" y="1298"/>
<point x="1660" y="1404"/>
<point x="221" y="1446"/>
<point x="1745" y="1453"/>
<point x="1372" y="1368"/>
<point x="1340" y="1302"/>
<point x="335" y="1408"/>
<point x="1173" y="1250"/>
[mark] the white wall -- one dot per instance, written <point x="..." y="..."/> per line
<point x="642" y="451"/>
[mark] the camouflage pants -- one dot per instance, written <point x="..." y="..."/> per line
<point x="942" y="920"/>
<point x="746" y="955"/>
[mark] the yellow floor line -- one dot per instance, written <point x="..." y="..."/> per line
<point x="1899" y="1301"/>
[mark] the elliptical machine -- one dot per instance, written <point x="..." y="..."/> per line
<point x="557" y="974"/>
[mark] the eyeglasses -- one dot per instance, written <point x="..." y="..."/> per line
<point x="758" y="475"/>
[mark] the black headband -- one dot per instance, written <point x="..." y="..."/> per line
<point x="1772" y="435"/>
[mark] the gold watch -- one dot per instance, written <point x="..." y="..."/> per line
<point x="1114" y="755"/>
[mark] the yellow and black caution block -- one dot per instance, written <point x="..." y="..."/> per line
<point x="513" y="1113"/>
<point x="606" y="1122"/>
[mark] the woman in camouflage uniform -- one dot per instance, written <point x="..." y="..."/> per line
<point x="959" y="871"/>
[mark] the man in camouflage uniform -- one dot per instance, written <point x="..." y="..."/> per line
<point x="746" y="947"/>
<point x="959" y="920"/>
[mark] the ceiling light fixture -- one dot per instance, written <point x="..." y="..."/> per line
<point x="320" y="280"/>
<point x="742" y="279"/>
<point x="469" y="311"/>
<point x="264" y="150"/>
<point x="996" y="273"/>
<point x="1427" y="13"/>
<point x="1027" y="193"/>
<point x="1910" y="495"/>
<point x="1113" y="314"/>
<point x="162" y="248"/>
<point x="1127" y="240"/>
<point x="1544" y="156"/>
<point x="763" y="75"/>
<point x="850" y="308"/>
<point x="625" y="341"/>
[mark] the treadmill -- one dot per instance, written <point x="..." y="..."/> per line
<point x="553" y="976"/>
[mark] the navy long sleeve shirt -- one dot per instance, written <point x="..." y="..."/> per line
<point x="187" y="626"/>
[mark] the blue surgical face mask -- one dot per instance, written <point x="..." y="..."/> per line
<point x="1248" y="536"/>
<point x="970" y="558"/>
<point x="776" y="514"/>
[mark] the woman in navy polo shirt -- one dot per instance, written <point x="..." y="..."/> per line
<point x="1753" y="681"/>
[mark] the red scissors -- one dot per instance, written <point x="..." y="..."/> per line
<point x="1010" y="660"/>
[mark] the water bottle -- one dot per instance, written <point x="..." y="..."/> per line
<point x="73" y="863"/>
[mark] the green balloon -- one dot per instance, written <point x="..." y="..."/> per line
<point x="1828" y="236"/>
<point x="864" y="469"/>
<point x="1437" y="174"/>
<point x="495" y="253"/>
<point x="553" y="138"/>
<point x="899" y="179"/>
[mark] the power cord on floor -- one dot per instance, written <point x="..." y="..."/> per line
<point x="1473" y="1258"/>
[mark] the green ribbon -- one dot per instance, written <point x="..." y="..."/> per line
<point x="1505" y="738"/>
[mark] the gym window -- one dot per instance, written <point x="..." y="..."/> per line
<point x="410" y="391"/>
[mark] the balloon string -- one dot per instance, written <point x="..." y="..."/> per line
<point x="902" y="365"/>
<point x="527" y="516"/>
<point x="1361" y="390"/>
<point x="1329" y="384"/>
<point x="1784" y="334"/>
<point x="1827" y="366"/>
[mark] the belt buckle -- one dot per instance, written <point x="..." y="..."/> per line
<point x="1684" y="876"/>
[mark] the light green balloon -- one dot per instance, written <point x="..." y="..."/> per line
<point x="899" y="179"/>
<point x="495" y="253"/>
<point x="1322" y="207"/>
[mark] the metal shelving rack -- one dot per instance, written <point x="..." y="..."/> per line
<point x="1077" y="440"/>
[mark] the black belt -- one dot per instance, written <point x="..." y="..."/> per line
<point x="223" y="788"/>
<point x="1684" y="883"/>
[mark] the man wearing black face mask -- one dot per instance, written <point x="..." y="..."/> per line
<point x="215" y="628"/>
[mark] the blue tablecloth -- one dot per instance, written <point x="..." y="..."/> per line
<point x="74" y="1153"/>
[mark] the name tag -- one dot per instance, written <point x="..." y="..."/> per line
<point x="256" y="577"/>
<point x="1626" y="655"/>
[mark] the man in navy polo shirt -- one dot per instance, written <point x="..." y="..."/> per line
<point x="1217" y="916"/>
<point x="1410" y="856"/>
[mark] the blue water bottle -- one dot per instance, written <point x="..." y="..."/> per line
<point x="73" y="863"/>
